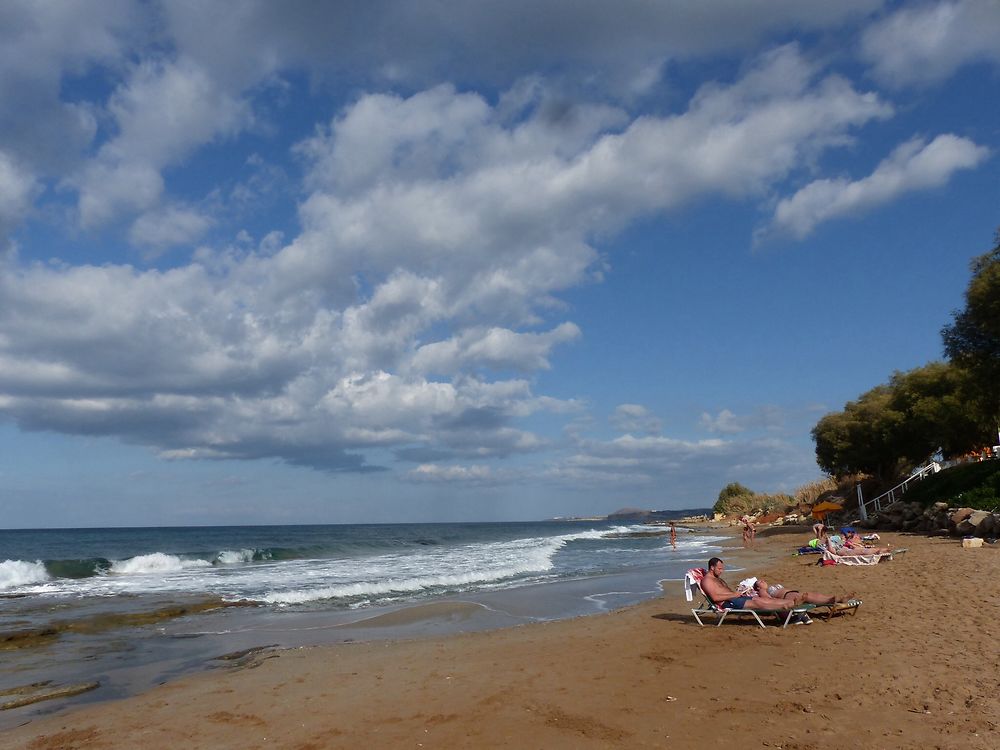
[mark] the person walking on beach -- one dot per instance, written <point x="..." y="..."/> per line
<point x="673" y="535"/>
<point x="722" y="595"/>
<point x="749" y="531"/>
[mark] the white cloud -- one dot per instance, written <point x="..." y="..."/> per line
<point x="727" y="422"/>
<point x="473" y="474"/>
<point x="17" y="188"/>
<point x="915" y="165"/>
<point x="634" y="418"/>
<point x="652" y="462"/>
<point x="168" y="226"/>
<point x="496" y="348"/>
<point x="163" y="112"/>
<point x="927" y="43"/>
<point x="448" y="264"/>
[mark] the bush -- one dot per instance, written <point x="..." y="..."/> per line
<point x="975" y="485"/>
<point x="735" y="499"/>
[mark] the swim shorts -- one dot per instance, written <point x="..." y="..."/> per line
<point x="737" y="602"/>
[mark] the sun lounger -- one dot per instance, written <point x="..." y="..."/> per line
<point x="693" y="590"/>
<point x="854" y="559"/>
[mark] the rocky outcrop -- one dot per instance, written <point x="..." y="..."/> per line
<point x="938" y="519"/>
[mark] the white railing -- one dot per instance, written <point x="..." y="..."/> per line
<point x="888" y="498"/>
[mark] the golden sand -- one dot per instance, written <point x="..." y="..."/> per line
<point x="919" y="666"/>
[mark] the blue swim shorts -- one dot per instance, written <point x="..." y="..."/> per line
<point x="737" y="602"/>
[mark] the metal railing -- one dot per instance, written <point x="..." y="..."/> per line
<point x="889" y="497"/>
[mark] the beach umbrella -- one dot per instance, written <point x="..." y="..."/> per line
<point x="821" y="509"/>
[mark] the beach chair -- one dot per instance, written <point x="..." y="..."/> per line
<point x="693" y="591"/>
<point x="855" y="559"/>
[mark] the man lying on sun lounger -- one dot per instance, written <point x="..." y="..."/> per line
<point x="720" y="593"/>
<point x="777" y="591"/>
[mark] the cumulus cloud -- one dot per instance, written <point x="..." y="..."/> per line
<point x="727" y="422"/>
<point x="435" y="473"/>
<point x="168" y="226"/>
<point x="928" y="42"/>
<point x="496" y="348"/>
<point x="914" y="165"/>
<point x="612" y="47"/>
<point x="163" y="112"/>
<point x="17" y="189"/>
<point x="436" y="234"/>
<point x="649" y="463"/>
<point x="635" y="419"/>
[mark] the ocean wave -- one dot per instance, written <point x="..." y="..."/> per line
<point x="157" y="562"/>
<point x="235" y="557"/>
<point x="15" y="573"/>
<point x="87" y="568"/>
<point x="470" y="566"/>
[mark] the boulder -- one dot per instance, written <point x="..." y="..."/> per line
<point x="960" y="515"/>
<point x="987" y="526"/>
<point x="978" y="516"/>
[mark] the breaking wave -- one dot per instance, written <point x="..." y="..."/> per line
<point x="15" y="573"/>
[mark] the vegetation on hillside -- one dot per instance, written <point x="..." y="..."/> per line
<point x="736" y="500"/>
<point x="975" y="485"/>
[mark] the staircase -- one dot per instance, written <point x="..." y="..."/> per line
<point x="888" y="498"/>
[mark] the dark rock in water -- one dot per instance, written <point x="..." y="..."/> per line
<point x="40" y="691"/>
<point x="236" y="655"/>
<point x="248" y="658"/>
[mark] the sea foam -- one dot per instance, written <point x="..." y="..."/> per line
<point x="14" y="573"/>
<point x="456" y="568"/>
<point x="157" y="562"/>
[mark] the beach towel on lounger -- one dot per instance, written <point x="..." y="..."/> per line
<point x="855" y="559"/>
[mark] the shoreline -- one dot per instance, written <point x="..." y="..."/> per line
<point x="189" y="646"/>
<point x="894" y="675"/>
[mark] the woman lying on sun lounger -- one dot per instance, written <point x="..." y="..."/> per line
<point x="851" y="545"/>
<point x="778" y="591"/>
<point x="854" y="542"/>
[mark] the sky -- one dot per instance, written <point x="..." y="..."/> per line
<point x="311" y="262"/>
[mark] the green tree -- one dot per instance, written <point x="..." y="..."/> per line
<point x="731" y="495"/>
<point x="937" y="412"/>
<point x="862" y="438"/>
<point x="972" y="341"/>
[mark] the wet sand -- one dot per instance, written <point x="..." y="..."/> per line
<point x="895" y="675"/>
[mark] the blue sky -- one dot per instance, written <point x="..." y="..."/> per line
<point x="376" y="262"/>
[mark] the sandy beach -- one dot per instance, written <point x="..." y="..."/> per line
<point x="917" y="667"/>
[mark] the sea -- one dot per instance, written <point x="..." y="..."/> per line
<point x="129" y="608"/>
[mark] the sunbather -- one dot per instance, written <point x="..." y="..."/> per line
<point x="853" y="541"/>
<point x="841" y="548"/>
<point x="777" y="591"/>
<point x="720" y="593"/>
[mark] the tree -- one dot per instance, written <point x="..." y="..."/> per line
<point x="860" y="439"/>
<point x="972" y="341"/>
<point x="937" y="412"/>
<point x="899" y="425"/>
<point x="730" y="493"/>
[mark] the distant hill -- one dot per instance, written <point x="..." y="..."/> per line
<point x="637" y="514"/>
